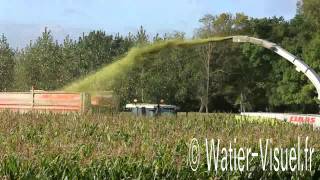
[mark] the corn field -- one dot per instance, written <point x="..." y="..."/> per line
<point x="120" y="146"/>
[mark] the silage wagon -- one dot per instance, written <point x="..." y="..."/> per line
<point x="53" y="101"/>
<point x="45" y="101"/>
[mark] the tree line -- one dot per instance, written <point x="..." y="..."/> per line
<point x="214" y="77"/>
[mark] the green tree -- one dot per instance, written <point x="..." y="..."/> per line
<point x="6" y="64"/>
<point x="98" y="49"/>
<point x="215" y="57"/>
<point x="71" y="68"/>
<point x="291" y="90"/>
<point x="94" y="50"/>
<point x="141" y="38"/>
<point x="310" y="9"/>
<point x="43" y="63"/>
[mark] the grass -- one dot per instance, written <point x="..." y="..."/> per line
<point x="96" y="146"/>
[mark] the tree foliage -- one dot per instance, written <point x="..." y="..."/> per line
<point x="6" y="64"/>
<point x="217" y="77"/>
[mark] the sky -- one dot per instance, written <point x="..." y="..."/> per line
<point x="24" y="20"/>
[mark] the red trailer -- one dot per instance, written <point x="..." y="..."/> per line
<point x="45" y="101"/>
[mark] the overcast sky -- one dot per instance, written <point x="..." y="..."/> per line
<point x="24" y="20"/>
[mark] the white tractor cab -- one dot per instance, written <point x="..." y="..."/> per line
<point x="143" y="109"/>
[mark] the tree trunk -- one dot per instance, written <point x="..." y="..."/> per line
<point x="201" y="107"/>
<point x="204" y="95"/>
<point x="142" y="89"/>
<point x="208" y="78"/>
<point x="208" y="57"/>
